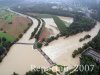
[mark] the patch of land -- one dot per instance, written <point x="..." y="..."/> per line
<point x="13" y="24"/>
<point x="66" y="20"/>
<point x="21" y="58"/>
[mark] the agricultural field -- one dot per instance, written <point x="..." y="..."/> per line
<point x="13" y="24"/>
<point x="7" y="16"/>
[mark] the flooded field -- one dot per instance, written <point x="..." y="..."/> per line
<point x="60" y="51"/>
<point x="20" y="57"/>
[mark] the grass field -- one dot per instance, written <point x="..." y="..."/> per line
<point x="66" y="23"/>
<point x="8" y="37"/>
<point x="60" y="24"/>
<point x="7" y="16"/>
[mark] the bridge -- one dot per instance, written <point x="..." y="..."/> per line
<point x="41" y="51"/>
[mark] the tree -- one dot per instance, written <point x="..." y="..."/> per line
<point x="3" y="39"/>
<point x="39" y="45"/>
<point x="37" y="71"/>
<point x="15" y="73"/>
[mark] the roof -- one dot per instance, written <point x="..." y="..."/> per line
<point x="92" y="53"/>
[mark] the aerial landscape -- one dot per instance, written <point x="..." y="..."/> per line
<point x="50" y="37"/>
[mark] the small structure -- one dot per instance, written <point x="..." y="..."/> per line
<point x="92" y="53"/>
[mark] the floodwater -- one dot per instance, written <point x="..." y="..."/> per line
<point x="60" y="51"/>
<point x="21" y="58"/>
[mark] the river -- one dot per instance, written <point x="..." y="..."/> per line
<point x="20" y="57"/>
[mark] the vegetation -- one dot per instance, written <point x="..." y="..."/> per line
<point x="86" y="60"/>
<point x="40" y="30"/>
<point x="37" y="71"/>
<point x="95" y="43"/>
<point x="80" y="24"/>
<point x="35" y="30"/>
<point x="39" y="45"/>
<point x="85" y="37"/>
<point x="8" y="37"/>
<point x="50" y="39"/>
<point x="66" y="23"/>
<point x="61" y="25"/>
<point x="95" y="11"/>
<point x="7" y="16"/>
<point x="5" y="43"/>
<point x="15" y="73"/>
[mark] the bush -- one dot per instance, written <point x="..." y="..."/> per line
<point x="85" y="37"/>
<point x="39" y="45"/>
<point x="0" y="59"/>
<point x="74" y="53"/>
<point x="46" y="44"/>
<point x="20" y="35"/>
<point x="1" y="29"/>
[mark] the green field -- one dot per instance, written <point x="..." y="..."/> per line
<point x="66" y="23"/>
<point x="60" y="24"/>
<point x="7" y="16"/>
<point x="8" y="37"/>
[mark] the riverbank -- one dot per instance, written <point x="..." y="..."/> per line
<point x="60" y="51"/>
<point x="20" y="57"/>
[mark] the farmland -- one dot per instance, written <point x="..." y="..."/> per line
<point x="13" y="24"/>
<point x="7" y="16"/>
<point x="12" y="27"/>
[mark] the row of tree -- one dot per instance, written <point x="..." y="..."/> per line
<point x="95" y="43"/>
<point x="35" y="30"/>
<point x="85" y="37"/>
